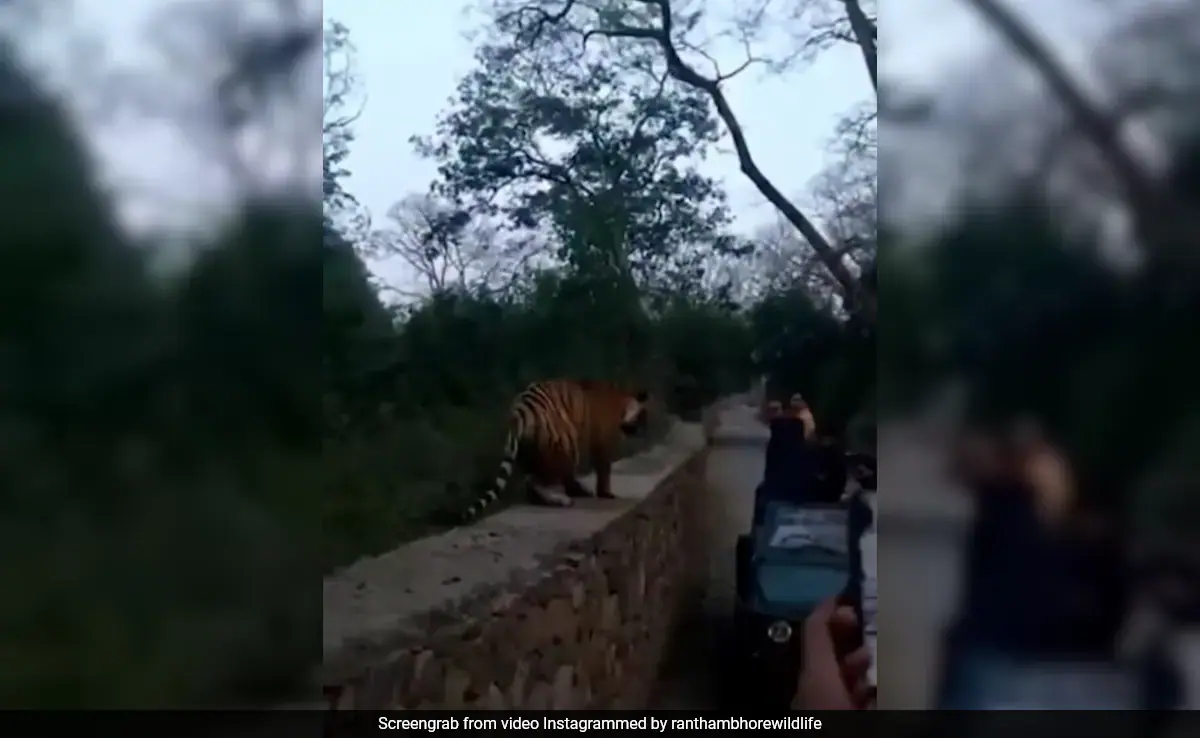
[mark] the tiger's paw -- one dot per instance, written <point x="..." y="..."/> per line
<point x="552" y="497"/>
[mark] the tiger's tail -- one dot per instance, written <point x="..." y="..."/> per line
<point x="511" y="446"/>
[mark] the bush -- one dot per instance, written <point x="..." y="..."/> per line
<point x="429" y="437"/>
<point x="160" y="445"/>
<point x="830" y="361"/>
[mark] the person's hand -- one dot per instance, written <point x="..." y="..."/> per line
<point x="829" y="681"/>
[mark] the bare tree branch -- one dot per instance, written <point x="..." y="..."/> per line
<point x="866" y="35"/>
<point x="445" y="253"/>
<point x="825" y="23"/>
<point x="680" y="70"/>
<point x="1159" y="216"/>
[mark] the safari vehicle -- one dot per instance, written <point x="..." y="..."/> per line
<point x="794" y="558"/>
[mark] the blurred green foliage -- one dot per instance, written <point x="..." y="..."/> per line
<point x="159" y="443"/>
<point x="826" y="358"/>
<point x="1035" y="322"/>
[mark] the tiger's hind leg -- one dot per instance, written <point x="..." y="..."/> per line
<point x="603" y="475"/>
<point x="546" y="487"/>
<point x="571" y="484"/>
<point x="548" y="494"/>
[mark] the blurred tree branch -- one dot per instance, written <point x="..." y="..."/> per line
<point x="657" y="22"/>
<point x="1163" y="221"/>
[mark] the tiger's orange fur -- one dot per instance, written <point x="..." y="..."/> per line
<point x="552" y="423"/>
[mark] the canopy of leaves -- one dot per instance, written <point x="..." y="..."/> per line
<point x="601" y="162"/>
<point x="160" y="443"/>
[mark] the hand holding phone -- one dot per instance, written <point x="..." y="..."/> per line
<point x="833" y="672"/>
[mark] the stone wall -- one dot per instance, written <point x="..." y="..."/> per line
<point x="534" y="608"/>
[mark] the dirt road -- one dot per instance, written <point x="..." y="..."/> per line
<point x="735" y="467"/>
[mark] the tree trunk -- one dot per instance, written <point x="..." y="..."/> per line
<point x="866" y="35"/>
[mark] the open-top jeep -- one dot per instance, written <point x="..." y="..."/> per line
<point x="795" y="557"/>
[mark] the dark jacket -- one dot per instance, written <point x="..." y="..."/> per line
<point x="801" y="472"/>
<point x="1030" y="590"/>
<point x="790" y="464"/>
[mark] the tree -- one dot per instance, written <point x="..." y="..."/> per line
<point x="339" y="112"/>
<point x="446" y="250"/>
<point x="792" y="338"/>
<point x="658" y="24"/>
<point x="844" y="198"/>
<point x="598" y="162"/>
<point x="356" y="326"/>
<point x="814" y="26"/>
<point x="1168" y="224"/>
<point x="865" y="32"/>
<point x="847" y="191"/>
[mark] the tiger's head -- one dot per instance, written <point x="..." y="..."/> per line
<point x="634" y="416"/>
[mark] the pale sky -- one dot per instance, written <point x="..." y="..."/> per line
<point x="923" y="39"/>
<point x="163" y="175"/>
<point x="936" y="40"/>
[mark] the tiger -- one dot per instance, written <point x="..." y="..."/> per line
<point x="551" y="424"/>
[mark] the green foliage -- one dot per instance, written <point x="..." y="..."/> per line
<point x="607" y="159"/>
<point x="160" y="444"/>
<point x="437" y="424"/>
<point x="709" y="345"/>
<point x="802" y="347"/>
<point x="793" y="338"/>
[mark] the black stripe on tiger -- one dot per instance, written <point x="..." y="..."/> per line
<point x="552" y="424"/>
